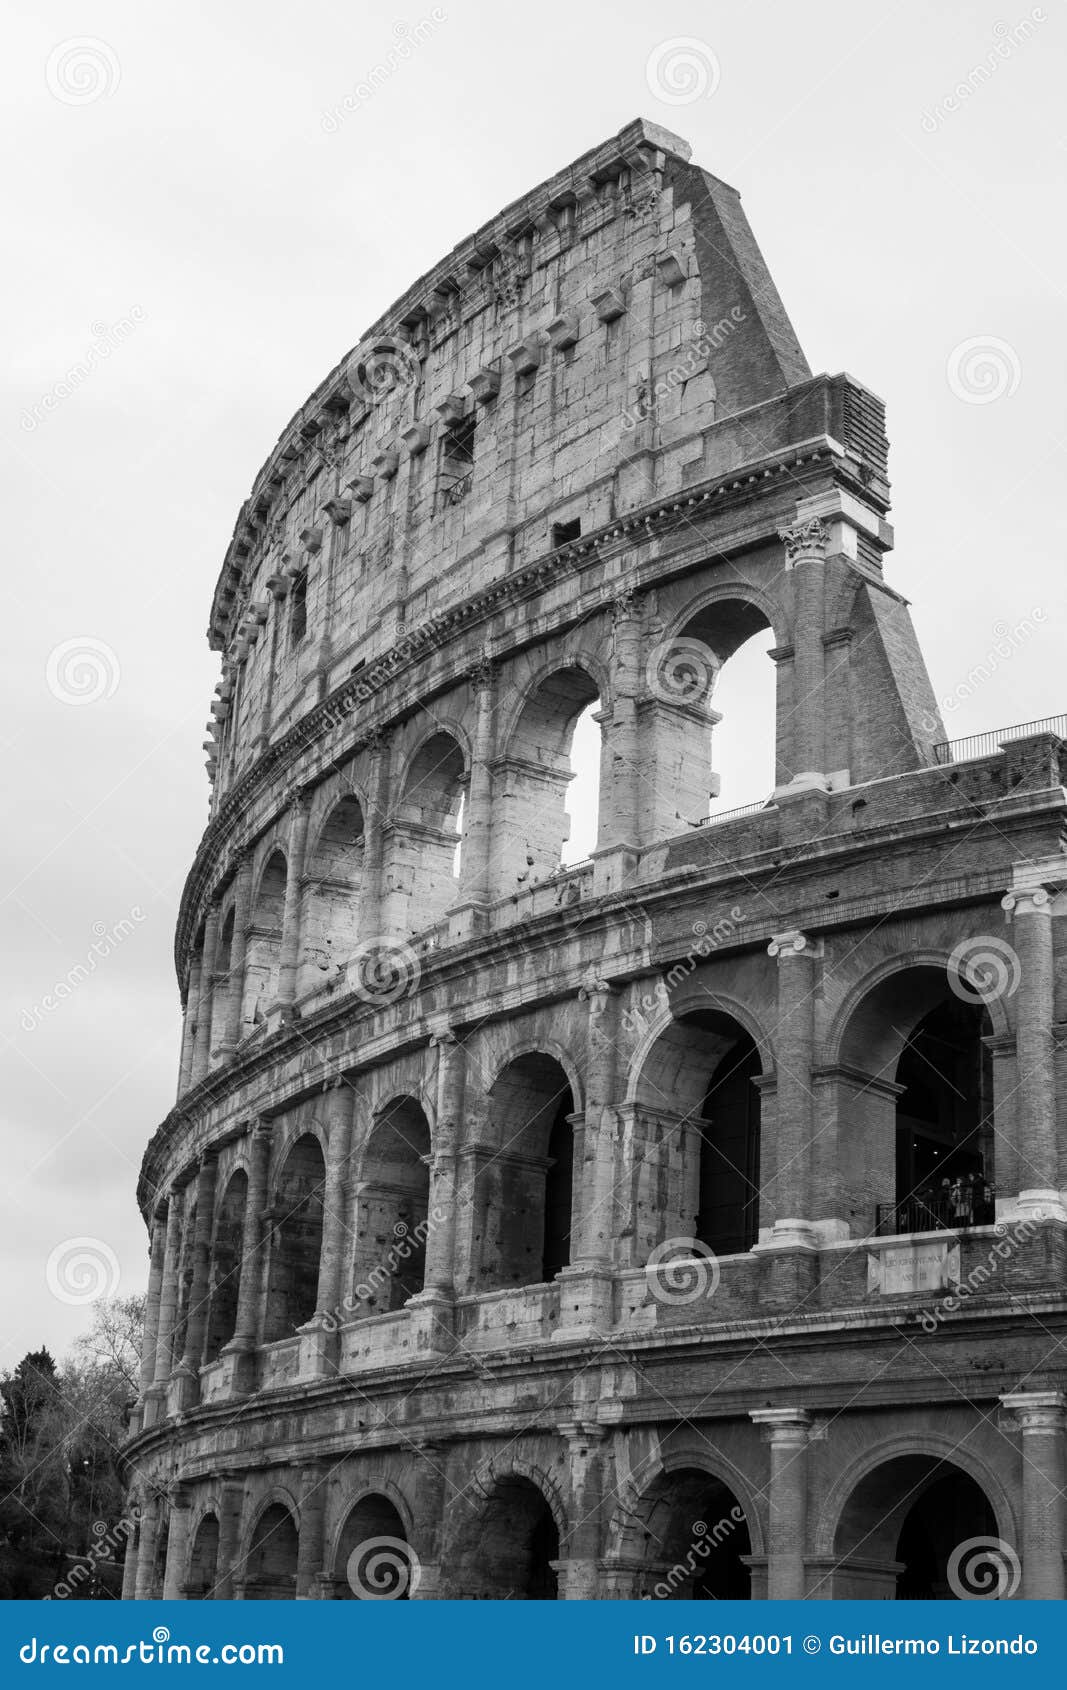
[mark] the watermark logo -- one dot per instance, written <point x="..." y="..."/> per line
<point x="1007" y="39"/>
<point x="383" y="371"/>
<point x="407" y="38"/>
<point x="82" y="1270"/>
<point x="983" y="969"/>
<point x="681" y="671"/>
<point x="984" y="1569"/>
<point x="681" y="70"/>
<point x="82" y="70"/>
<point x="381" y="971"/>
<point x="983" y="369"/>
<point x="682" y="1270"/>
<point x="82" y="670"/>
<point x="383" y="1569"/>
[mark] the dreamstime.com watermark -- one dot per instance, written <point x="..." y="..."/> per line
<point x="81" y="1271"/>
<point x="408" y="38"/>
<point x="1007" y="39"/>
<point x="646" y="1007"/>
<point x="682" y="69"/>
<point x="691" y="363"/>
<point x="106" y="941"/>
<point x="108" y="1540"/>
<point x="107" y="338"/>
<point x="1007" y="640"/>
<point x="1012" y="1236"/>
<point x="408" y="1242"/>
<point x="155" y="1651"/>
<point x="984" y="1569"/>
<point x="704" y="1543"/>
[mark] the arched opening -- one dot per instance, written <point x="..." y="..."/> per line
<point x="549" y="782"/>
<point x="908" y="1531"/>
<point x="721" y="652"/>
<point x="295" y="1219"/>
<point x="375" y="1563"/>
<point x="426" y="849"/>
<point x="917" y="1096"/>
<point x="330" y="923"/>
<point x="204" y="1560"/>
<point x="698" y="1107"/>
<point x="391" y="1217"/>
<point x="227" y="1249"/>
<point x="263" y="951"/>
<point x="511" y="1551"/>
<point x="690" y="1536"/>
<point x="524" y="1195"/>
<point x="270" y="1574"/>
<point x="220" y="993"/>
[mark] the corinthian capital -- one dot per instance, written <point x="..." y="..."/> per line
<point x="805" y="542"/>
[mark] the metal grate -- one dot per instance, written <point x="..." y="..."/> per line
<point x="988" y="744"/>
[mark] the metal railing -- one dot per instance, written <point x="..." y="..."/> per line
<point x="936" y="1213"/>
<point x="988" y="744"/>
<point x="742" y="810"/>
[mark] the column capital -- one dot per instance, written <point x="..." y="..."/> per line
<point x="595" y="986"/>
<point x="794" y="943"/>
<point x="805" y="542"/>
<point x="1036" y="1411"/>
<point x="783" y="1426"/>
<point x="1028" y="900"/>
<point x="483" y="674"/>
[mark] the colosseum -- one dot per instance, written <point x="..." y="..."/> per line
<point x="684" y="1221"/>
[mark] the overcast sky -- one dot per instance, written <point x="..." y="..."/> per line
<point x="196" y="219"/>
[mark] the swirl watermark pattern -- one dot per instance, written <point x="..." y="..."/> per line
<point x="983" y="969"/>
<point x="682" y="1270"/>
<point x="81" y="1270"/>
<point x="382" y="372"/>
<point x="383" y="1569"/>
<point x="983" y="369"/>
<point x="681" y="671"/>
<point x="984" y="1569"/>
<point x="383" y="970"/>
<point x="82" y="70"/>
<point x="682" y="70"/>
<point x="82" y="670"/>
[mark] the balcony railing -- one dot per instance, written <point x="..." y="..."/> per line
<point x="742" y="810"/>
<point x="936" y="1213"/>
<point x="988" y="744"/>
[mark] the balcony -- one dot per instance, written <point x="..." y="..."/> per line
<point x="956" y="1209"/>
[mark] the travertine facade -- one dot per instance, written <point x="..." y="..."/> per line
<point x="450" y="1116"/>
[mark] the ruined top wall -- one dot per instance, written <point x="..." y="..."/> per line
<point x="609" y="317"/>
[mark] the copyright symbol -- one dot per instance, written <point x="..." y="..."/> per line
<point x="812" y="1645"/>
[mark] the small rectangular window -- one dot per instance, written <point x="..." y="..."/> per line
<point x="298" y="609"/>
<point x="457" y="460"/>
<point x="564" y="532"/>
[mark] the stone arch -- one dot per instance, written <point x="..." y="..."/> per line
<point x="892" y="1519"/>
<point x="534" y="772"/>
<point x="876" y="976"/>
<point x="269" y="1562"/>
<point x="373" y="1559"/>
<point x="227" y="1255"/>
<point x="202" y="1565"/>
<point x="330" y="917"/>
<point x="688" y="1532"/>
<point x="392" y="1208"/>
<point x="696" y="1106"/>
<point x="295" y="1238"/>
<point x="526" y="1189"/>
<point x="512" y="1537"/>
<point x="542" y="1047"/>
<point x="264" y="945"/>
<point x="426" y="832"/>
<point x="682" y="674"/>
<point x="913" y="1075"/>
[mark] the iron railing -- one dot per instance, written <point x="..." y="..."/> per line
<point x="936" y="1213"/>
<point x="988" y="744"/>
<point x="731" y="815"/>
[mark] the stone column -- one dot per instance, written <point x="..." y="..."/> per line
<point x="788" y="1431"/>
<point x="294" y="891"/>
<point x="156" y="1396"/>
<point x="1030" y="913"/>
<point x="340" y="1110"/>
<point x="177" y="1544"/>
<point x="311" y="1549"/>
<point x="202" y="1046"/>
<point x="587" y="1285"/>
<point x="805" y="554"/>
<point x="1040" y="1418"/>
<point x="199" y="1287"/>
<point x="133" y="1539"/>
<point x="235" y="982"/>
<point x="144" y="1584"/>
<point x="476" y="854"/>
<point x="429" y="1493"/>
<point x="374" y="824"/>
<point x="190" y="1010"/>
<point x="797" y="956"/>
<point x="231" y="1503"/>
<point x="620" y="828"/>
<point x="432" y="1308"/>
<point x="157" y="1256"/>
<point x="579" y="1580"/>
<point x="245" y="1338"/>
